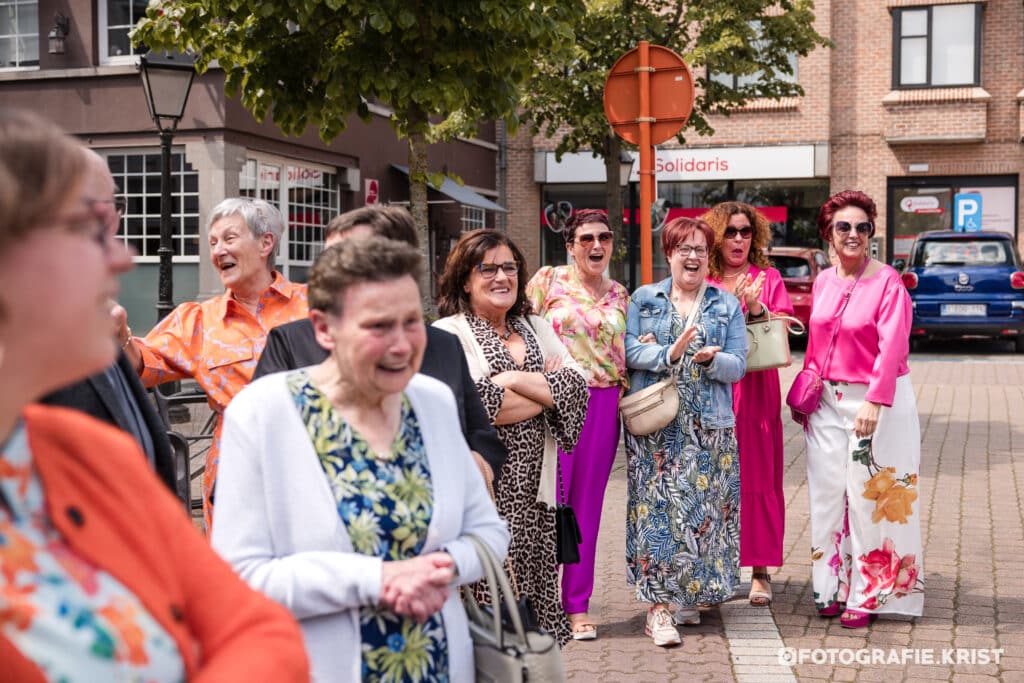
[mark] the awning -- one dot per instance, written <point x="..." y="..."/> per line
<point x="461" y="194"/>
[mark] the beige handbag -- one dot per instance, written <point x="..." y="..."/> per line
<point x="769" y="341"/>
<point x="654" y="407"/>
<point x="500" y="654"/>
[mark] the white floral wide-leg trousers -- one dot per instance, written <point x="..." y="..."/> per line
<point x="864" y="503"/>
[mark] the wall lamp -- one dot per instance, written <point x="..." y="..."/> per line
<point x="61" y="27"/>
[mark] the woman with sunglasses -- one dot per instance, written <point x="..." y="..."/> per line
<point x="533" y="391"/>
<point x="682" y="528"/>
<point x="863" y="440"/>
<point x="738" y="264"/>
<point x="588" y="312"/>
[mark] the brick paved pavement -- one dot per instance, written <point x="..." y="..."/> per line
<point x="972" y="515"/>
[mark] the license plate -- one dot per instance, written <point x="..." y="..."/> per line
<point x="963" y="309"/>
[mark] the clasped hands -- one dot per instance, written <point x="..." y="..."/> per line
<point x="703" y="357"/>
<point x="417" y="587"/>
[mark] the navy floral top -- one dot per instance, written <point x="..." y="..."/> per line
<point x="386" y="502"/>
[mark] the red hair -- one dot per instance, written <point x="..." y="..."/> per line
<point x="841" y="200"/>
<point x="677" y="230"/>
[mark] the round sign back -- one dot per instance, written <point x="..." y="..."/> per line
<point x="671" y="95"/>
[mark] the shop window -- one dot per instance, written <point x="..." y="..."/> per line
<point x="137" y="176"/>
<point x="117" y="18"/>
<point x="307" y="196"/>
<point x="19" y="34"/>
<point x="473" y="218"/>
<point x="937" y="46"/>
<point x="735" y="81"/>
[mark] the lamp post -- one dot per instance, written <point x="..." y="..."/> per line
<point x="625" y="170"/>
<point x="166" y="78"/>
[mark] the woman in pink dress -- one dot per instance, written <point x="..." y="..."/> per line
<point x="739" y="265"/>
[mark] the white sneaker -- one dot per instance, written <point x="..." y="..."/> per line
<point x="661" y="628"/>
<point x="688" y="616"/>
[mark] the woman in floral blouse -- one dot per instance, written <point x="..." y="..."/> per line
<point x="588" y="311"/>
<point x="348" y="485"/>
<point x="102" y="578"/>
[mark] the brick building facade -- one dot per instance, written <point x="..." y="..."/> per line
<point x="919" y="101"/>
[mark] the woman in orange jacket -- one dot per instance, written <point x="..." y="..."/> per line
<point x="102" y="577"/>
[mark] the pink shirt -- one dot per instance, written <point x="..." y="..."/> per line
<point x="873" y="340"/>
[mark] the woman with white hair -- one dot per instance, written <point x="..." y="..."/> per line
<point x="217" y="342"/>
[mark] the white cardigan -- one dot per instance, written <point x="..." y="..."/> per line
<point x="277" y="522"/>
<point x="480" y="368"/>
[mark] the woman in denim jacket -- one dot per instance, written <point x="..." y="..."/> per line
<point x="682" y="539"/>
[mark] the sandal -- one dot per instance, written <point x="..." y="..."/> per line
<point x="832" y="609"/>
<point x="760" y="598"/>
<point x="853" y="618"/>
<point x="583" y="630"/>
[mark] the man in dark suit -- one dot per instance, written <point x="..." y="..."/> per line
<point x="293" y="345"/>
<point x="116" y="396"/>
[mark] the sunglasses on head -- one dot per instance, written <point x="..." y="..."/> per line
<point x="588" y="239"/>
<point x="490" y="270"/>
<point x="843" y="227"/>
<point x="745" y="232"/>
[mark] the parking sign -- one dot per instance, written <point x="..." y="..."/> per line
<point x="967" y="212"/>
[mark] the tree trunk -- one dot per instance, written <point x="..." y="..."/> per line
<point x="420" y="215"/>
<point x="613" y="202"/>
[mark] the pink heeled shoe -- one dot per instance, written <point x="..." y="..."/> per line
<point x="853" y="618"/>
<point x="832" y="609"/>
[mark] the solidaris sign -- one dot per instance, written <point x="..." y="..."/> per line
<point x="732" y="163"/>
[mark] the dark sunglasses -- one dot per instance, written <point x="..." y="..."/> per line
<point x="844" y="227"/>
<point x="588" y="239"/>
<point x="745" y="232"/>
<point x="489" y="270"/>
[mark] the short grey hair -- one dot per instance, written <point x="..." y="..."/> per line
<point x="260" y="217"/>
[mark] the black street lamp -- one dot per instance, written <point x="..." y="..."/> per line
<point x="166" y="78"/>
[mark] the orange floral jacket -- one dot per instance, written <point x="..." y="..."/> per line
<point x="117" y="515"/>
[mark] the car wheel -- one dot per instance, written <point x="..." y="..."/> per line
<point x="1019" y="343"/>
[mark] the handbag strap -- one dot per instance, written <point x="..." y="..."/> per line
<point x="839" y="314"/>
<point x="501" y="592"/>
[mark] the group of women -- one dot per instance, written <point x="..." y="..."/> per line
<point x="363" y="531"/>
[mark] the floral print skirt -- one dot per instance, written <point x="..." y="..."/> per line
<point x="682" y="527"/>
<point x="864" y="503"/>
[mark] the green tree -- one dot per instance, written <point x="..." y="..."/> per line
<point x="750" y="39"/>
<point x="441" y="67"/>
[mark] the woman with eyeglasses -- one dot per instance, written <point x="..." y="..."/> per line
<point x="588" y="312"/>
<point x="863" y="440"/>
<point x="535" y="394"/>
<point x="102" y="577"/>
<point x="739" y="264"/>
<point x="682" y="528"/>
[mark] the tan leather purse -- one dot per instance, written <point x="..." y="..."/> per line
<point x="768" y="341"/>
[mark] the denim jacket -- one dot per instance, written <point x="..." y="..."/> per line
<point x="651" y="311"/>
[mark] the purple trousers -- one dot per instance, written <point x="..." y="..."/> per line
<point x="585" y="476"/>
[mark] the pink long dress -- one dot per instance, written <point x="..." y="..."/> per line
<point x="757" y="403"/>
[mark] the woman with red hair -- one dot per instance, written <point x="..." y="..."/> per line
<point x="863" y="439"/>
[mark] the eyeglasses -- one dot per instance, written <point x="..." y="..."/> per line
<point x="685" y="250"/>
<point x="844" y="227"/>
<point x="89" y="225"/>
<point x="489" y="270"/>
<point x="588" y="239"/>
<point x="745" y="232"/>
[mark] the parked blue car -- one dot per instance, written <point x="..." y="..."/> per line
<point x="965" y="284"/>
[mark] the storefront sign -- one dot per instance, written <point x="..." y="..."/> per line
<point x="371" y="192"/>
<point x="920" y="204"/>
<point x="731" y="163"/>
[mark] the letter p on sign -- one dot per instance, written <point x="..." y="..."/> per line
<point x="967" y="212"/>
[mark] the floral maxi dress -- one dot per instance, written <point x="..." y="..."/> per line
<point x="682" y="526"/>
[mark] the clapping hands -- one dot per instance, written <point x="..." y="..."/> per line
<point x="749" y="290"/>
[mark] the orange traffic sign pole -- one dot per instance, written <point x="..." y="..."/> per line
<point x="643" y="73"/>
<point x="648" y="97"/>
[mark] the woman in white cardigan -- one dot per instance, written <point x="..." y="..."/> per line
<point x="346" y="490"/>
<point x="535" y="394"/>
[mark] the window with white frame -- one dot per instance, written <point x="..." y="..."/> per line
<point x="308" y="197"/>
<point x="116" y="19"/>
<point x="735" y="81"/>
<point x="137" y="175"/>
<point x="19" y="34"/>
<point x="473" y="218"/>
<point x="937" y="46"/>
